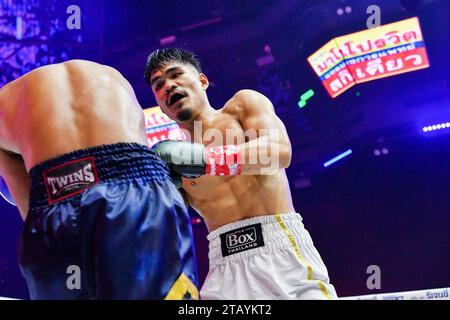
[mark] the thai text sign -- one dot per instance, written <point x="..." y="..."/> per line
<point x="371" y="54"/>
<point x="160" y="127"/>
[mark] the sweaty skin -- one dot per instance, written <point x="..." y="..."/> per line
<point x="223" y="200"/>
<point x="60" y="108"/>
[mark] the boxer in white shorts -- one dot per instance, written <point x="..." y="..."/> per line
<point x="233" y="176"/>
<point x="265" y="257"/>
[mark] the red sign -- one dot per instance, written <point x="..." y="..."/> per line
<point x="371" y="54"/>
<point x="160" y="127"/>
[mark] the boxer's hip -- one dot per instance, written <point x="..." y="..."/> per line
<point x="113" y="212"/>
<point x="65" y="178"/>
<point x="270" y="256"/>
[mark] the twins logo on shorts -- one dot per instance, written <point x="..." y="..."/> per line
<point x="70" y="178"/>
<point x="238" y="240"/>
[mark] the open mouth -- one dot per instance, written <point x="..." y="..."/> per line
<point x="175" y="98"/>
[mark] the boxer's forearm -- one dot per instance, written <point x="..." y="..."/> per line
<point x="264" y="155"/>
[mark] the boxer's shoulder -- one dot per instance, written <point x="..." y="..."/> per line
<point x="243" y="97"/>
<point x="90" y="69"/>
<point x="67" y="68"/>
<point x="36" y="77"/>
<point x="88" y="66"/>
<point x="54" y="72"/>
<point x="80" y="63"/>
<point x="247" y="101"/>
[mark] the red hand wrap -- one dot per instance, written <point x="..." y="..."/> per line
<point x="223" y="160"/>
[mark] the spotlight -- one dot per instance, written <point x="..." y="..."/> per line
<point x="196" y="220"/>
<point x="339" y="12"/>
<point x="19" y="28"/>
<point x="434" y="127"/>
<point x="376" y="152"/>
<point x="348" y="9"/>
<point x="385" y="151"/>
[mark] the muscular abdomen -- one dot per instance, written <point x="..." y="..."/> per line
<point x="78" y="104"/>
<point x="221" y="200"/>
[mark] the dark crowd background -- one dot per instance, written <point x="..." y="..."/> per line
<point x="387" y="204"/>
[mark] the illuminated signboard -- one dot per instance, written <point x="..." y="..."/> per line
<point x="160" y="127"/>
<point x="370" y="54"/>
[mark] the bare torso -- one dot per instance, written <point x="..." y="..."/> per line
<point x="64" y="107"/>
<point x="222" y="200"/>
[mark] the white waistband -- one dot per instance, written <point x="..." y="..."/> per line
<point x="278" y="230"/>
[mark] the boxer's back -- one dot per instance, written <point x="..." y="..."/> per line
<point x="64" y="107"/>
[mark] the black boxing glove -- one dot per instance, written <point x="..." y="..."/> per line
<point x="183" y="158"/>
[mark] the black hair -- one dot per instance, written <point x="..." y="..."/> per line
<point x="161" y="57"/>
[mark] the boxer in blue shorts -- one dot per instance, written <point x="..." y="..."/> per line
<point x="103" y="219"/>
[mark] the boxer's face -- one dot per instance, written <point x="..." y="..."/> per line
<point x="180" y="91"/>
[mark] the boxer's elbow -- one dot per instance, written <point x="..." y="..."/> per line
<point x="23" y="210"/>
<point x="285" y="155"/>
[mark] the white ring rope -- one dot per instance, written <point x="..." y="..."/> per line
<point x="429" y="294"/>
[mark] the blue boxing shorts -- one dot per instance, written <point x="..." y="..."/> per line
<point x="107" y="223"/>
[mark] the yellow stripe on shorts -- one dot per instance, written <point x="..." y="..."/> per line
<point x="299" y="255"/>
<point x="182" y="288"/>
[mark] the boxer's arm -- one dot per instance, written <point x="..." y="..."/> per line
<point x="13" y="171"/>
<point x="268" y="148"/>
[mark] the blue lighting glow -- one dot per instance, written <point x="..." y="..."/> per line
<point x="337" y="158"/>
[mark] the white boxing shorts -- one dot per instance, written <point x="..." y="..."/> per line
<point x="265" y="257"/>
